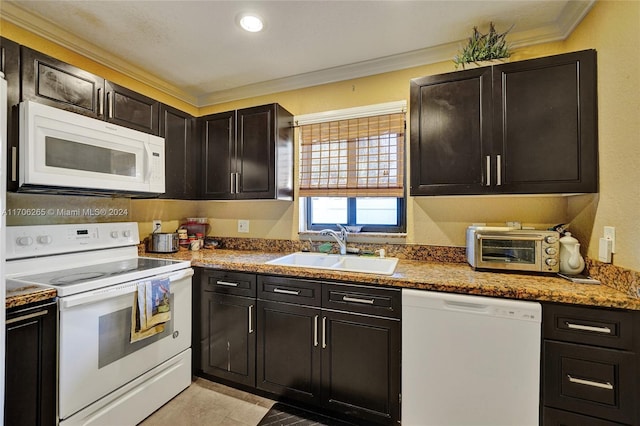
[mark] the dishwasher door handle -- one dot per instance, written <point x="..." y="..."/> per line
<point x="466" y="306"/>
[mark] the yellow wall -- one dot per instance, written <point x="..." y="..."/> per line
<point x="611" y="28"/>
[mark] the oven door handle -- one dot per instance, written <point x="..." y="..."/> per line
<point x="114" y="291"/>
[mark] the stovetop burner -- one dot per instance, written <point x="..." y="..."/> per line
<point x="89" y="273"/>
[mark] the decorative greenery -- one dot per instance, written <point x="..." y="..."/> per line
<point x="484" y="47"/>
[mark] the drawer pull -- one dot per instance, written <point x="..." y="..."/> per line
<point x="358" y="300"/>
<point x="604" y="330"/>
<point x="585" y="382"/>
<point x="250" y="319"/>
<point x="26" y="317"/>
<point x="227" y="283"/>
<point x="283" y="291"/>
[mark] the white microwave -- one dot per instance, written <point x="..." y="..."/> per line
<point x="65" y="152"/>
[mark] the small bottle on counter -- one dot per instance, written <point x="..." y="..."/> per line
<point x="200" y="238"/>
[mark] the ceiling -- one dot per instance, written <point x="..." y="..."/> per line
<point x="195" y="51"/>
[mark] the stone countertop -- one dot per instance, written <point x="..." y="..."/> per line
<point x="446" y="277"/>
<point x="22" y="295"/>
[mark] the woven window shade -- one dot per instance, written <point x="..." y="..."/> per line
<point x="360" y="157"/>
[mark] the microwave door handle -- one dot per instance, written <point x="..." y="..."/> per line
<point x="147" y="162"/>
<point x="510" y="237"/>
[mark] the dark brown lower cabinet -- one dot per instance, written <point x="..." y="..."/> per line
<point x="289" y="351"/>
<point x="30" y="365"/>
<point x="361" y="366"/>
<point x="228" y="337"/>
<point x="590" y="366"/>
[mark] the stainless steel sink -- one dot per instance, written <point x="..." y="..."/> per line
<point x="336" y="262"/>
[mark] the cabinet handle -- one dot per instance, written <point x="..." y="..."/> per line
<point x="488" y="170"/>
<point x="592" y="383"/>
<point x="250" y="319"/>
<point x="283" y="291"/>
<point x="14" y="163"/>
<point x="324" y="332"/>
<point x="237" y="183"/>
<point x="604" y="330"/>
<point x="231" y="183"/>
<point x="100" y="103"/>
<point x="358" y="300"/>
<point x="109" y="105"/>
<point x="227" y="283"/>
<point x="315" y="331"/>
<point x="498" y="170"/>
<point x="27" y="316"/>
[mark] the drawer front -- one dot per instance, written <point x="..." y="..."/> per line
<point x="594" y="381"/>
<point x="362" y="299"/>
<point x="228" y="282"/>
<point x="290" y="290"/>
<point x="591" y="326"/>
<point x="553" y="417"/>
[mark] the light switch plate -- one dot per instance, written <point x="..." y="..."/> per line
<point x="243" y="226"/>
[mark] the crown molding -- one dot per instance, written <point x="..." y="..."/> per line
<point x="573" y="13"/>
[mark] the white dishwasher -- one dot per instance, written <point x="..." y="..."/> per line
<point x="469" y="360"/>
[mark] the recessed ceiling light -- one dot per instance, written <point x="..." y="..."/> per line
<point x="251" y="23"/>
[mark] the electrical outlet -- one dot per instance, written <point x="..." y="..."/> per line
<point x="610" y="234"/>
<point x="243" y="226"/>
<point x="157" y="225"/>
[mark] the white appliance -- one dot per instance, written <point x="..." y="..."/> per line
<point x="65" y="152"/>
<point x="3" y="206"/>
<point x="103" y="378"/>
<point x="469" y="360"/>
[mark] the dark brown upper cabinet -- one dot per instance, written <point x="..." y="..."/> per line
<point x="527" y="127"/>
<point x="178" y="130"/>
<point x="247" y="154"/>
<point x="10" y="63"/>
<point x="131" y="109"/>
<point x="49" y="81"/>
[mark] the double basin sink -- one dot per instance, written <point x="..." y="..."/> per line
<point x="336" y="262"/>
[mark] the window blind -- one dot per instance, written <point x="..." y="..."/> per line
<point x="359" y="157"/>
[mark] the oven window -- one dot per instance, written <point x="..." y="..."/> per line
<point x="508" y="251"/>
<point x="115" y="335"/>
<point x="79" y="156"/>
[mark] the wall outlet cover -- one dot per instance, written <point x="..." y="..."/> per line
<point x="243" y="226"/>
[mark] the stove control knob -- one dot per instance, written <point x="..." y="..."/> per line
<point x="114" y="234"/>
<point x="44" y="239"/>
<point x="550" y="250"/>
<point x="126" y="233"/>
<point x="24" y="241"/>
<point x="550" y="239"/>
<point x="551" y="262"/>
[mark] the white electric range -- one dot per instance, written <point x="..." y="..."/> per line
<point x="103" y="377"/>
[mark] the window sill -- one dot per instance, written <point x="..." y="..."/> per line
<point x="357" y="237"/>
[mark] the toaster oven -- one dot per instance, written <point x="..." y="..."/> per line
<point x="505" y="248"/>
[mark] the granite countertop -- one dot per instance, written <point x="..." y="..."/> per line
<point x="447" y="277"/>
<point x="20" y="295"/>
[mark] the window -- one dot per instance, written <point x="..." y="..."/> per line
<point x="352" y="168"/>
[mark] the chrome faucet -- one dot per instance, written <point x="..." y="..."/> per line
<point x="341" y="237"/>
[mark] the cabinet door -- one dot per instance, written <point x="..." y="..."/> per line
<point x="228" y="338"/>
<point x="361" y="366"/>
<point x="289" y="351"/>
<point x="50" y="81"/>
<point x="256" y="152"/>
<point x="130" y="109"/>
<point x="450" y="133"/>
<point x="177" y="129"/>
<point x="30" y="382"/>
<point x="218" y="156"/>
<point x="10" y="63"/>
<point x="545" y="117"/>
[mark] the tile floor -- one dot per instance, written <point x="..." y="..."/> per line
<point x="206" y="403"/>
